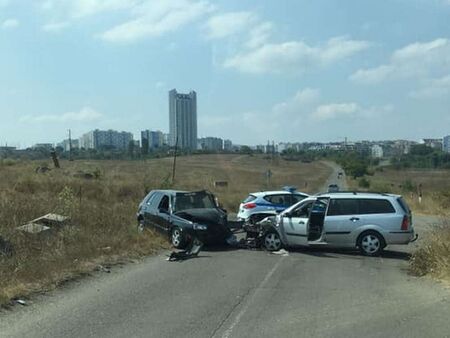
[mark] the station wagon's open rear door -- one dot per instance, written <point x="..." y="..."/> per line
<point x="317" y="219"/>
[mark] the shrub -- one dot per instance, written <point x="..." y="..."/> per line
<point x="364" y="183"/>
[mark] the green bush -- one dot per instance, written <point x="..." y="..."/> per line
<point x="364" y="183"/>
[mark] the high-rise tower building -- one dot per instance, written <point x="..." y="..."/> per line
<point x="183" y="119"/>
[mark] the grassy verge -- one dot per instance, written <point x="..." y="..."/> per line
<point x="102" y="209"/>
<point x="433" y="257"/>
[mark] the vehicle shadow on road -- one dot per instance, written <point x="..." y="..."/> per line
<point x="338" y="253"/>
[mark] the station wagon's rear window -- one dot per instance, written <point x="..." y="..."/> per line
<point x="375" y="206"/>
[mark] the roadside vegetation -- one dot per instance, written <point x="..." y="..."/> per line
<point x="101" y="199"/>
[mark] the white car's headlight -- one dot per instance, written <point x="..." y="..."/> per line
<point x="200" y="227"/>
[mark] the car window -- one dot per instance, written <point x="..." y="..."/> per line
<point x="343" y="206"/>
<point x="164" y="204"/>
<point x="375" y="206"/>
<point x="249" y="198"/>
<point x="303" y="210"/>
<point x="193" y="200"/>
<point x="403" y="205"/>
<point x="281" y="199"/>
<point x="151" y="198"/>
<point x="297" y="198"/>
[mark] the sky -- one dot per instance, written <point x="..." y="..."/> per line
<point x="285" y="70"/>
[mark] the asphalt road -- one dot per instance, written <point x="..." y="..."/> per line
<point x="245" y="293"/>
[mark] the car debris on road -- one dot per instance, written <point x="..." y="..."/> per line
<point x="191" y="251"/>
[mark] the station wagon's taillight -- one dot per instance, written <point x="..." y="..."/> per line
<point x="249" y="205"/>
<point x="405" y="223"/>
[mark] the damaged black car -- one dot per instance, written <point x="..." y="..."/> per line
<point x="183" y="216"/>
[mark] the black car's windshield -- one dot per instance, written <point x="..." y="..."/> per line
<point x="193" y="200"/>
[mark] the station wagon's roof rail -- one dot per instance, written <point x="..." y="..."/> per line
<point x="355" y="192"/>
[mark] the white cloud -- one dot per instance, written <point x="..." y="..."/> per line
<point x="86" y="114"/>
<point x="84" y="8"/>
<point x="301" y="101"/>
<point x="55" y="26"/>
<point x="156" y="18"/>
<point x="417" y="60"/>
<point x="226" y="24"/>
<point x="10" y="24"/>
<point x="260" y="34"/>
<point x="335" y="110"/>
<point x="294" y="56"/>
<point x="434" y="88"/>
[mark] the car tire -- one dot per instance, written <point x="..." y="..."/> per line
<point x="370" y="243"/>
<point x="272" y="241"/>
<point x="177" y="238"/>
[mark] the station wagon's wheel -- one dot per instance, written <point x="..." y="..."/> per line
<point x="177" y="238"/>
<point x="370" y="243"/>
<point x="272" y="241"/>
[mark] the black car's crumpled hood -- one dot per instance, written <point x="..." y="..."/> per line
<point x="203" y="216"/>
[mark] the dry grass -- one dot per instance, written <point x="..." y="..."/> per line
<point x="103" y="210"/>
<point x="435" y="188"/>
<point x="433" y="257"/>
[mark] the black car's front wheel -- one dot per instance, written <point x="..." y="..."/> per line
<point x="177" y="238"/>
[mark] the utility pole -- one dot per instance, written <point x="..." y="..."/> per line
<point x="70" y="146"/>
<point x="175" y="160"/>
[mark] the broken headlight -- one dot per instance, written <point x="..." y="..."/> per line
<point x="200" y="227"/>
<point x="277" y="220"/>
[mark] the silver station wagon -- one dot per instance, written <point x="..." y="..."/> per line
<point x="367" y="221"/>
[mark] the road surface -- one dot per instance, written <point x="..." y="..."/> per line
<point x="244" y="293"/>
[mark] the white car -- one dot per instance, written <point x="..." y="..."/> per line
<point x="259" y="205"/>
<point x="368" y="221"/>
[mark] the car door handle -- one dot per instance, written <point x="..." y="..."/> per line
<point x="301" y="222"/>
<point x="354" y="219"/>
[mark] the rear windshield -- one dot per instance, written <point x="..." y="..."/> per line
<point x="193" y="200"/>
<point x="404" y="206"/>
<point x="375" y="206"/>
<point x="249" y="198"/>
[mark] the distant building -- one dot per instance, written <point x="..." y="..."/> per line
<point x="42" y="146"/>
<point x="211" y="143"/>
<point x="435" y="143"/>
<point x="183" y="119"/>
<point x="446" y="144"/>
<point x="270" y="148"/>
<point x="227" y="145"/>
<point x="376" y="151"/>
<point x="66" y="144"/>
<point x="402" y="147"/>
<point x="260" y="148"/>
<point x="151" y="140"/>
<point x="7" y="148"/>
<point x="106" y="139"/>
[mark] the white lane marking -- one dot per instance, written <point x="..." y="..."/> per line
<point x="238" y="318"/>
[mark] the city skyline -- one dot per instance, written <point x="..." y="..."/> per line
<point x="300" y="71"/>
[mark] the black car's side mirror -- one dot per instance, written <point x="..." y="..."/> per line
<point x="287" y="214"/>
